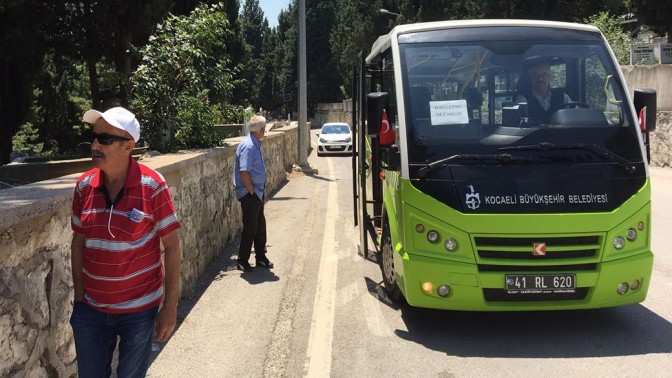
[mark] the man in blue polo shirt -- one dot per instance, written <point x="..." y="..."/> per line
<point x="249" y="180"/>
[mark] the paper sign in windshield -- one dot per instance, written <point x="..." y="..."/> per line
<point x="449" y="112"/>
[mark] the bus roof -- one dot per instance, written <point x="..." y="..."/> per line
<point x="384" y="41"/>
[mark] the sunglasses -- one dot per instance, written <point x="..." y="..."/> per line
<point x="107" y="139"/>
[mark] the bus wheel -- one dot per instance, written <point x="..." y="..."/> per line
<point x="387" y="265"/>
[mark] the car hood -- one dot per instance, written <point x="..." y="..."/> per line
<point x="335" y="137"/>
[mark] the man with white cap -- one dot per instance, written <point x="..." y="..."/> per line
<point x="121" y="214"/>
<point x="249" y="181"/>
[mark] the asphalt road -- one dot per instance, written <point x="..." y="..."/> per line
<point x="318" y="312"/>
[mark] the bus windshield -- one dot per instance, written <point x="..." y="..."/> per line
<point x="485" y="97"/>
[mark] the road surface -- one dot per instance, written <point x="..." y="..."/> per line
<point x="318" y="312"/>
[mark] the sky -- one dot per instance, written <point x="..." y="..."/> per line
<point x="272" y="9"/>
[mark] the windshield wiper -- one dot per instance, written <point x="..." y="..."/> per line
<point x="504" y="158"/>
<point x="594" y="148"/>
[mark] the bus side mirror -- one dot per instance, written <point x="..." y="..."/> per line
<point x="375" y="103"/>
<point x="646" y="97"/>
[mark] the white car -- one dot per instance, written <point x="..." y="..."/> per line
<point x="334" y="137"/>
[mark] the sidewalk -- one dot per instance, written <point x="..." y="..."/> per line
<point x="227" y="325"/>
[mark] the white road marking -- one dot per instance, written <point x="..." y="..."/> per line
<point x="374" y="316"/>
<point x="348" y="293"/>
<point x="318" y="358"/>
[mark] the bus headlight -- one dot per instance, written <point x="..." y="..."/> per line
<point x="432" y="236"/>
<point x="450" y="245"/>
<point x="631" y="234"/>
<point x="622" y="288"/>
<point x="443" y="290"/>
<point x="619" y="242"/>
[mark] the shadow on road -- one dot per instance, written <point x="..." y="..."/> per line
<point x="259" y="276"/>
<point x="222" y="265"/>
<point x="624" y="331"/>
<point x="318" y="177"/>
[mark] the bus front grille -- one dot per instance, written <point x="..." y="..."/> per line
<point x="523" y="248"/>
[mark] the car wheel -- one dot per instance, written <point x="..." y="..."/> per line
<point x="386" y="260"/>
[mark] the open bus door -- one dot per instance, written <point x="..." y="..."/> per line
<point x="359" y="164"/>
<point x="367" y="186"/>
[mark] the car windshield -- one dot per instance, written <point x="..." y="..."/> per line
<point x="482" y="97"/>
<point x="335" y="129"/>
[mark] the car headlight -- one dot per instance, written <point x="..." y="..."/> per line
<point x="322" y="140"/>
<point x="348" y="140"/>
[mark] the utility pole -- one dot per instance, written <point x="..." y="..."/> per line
<point x="303" y="102"/>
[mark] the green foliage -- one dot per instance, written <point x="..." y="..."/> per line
<point x="26" y="141"/>
<point x="321" y="68"/>
<point x="286" y="72"/>
<point x="230" y="113"/>
<point x="655" y="14"/>
<point x="22" y="45"/>
<point x="259" y="72"/>
<point x="61" y="98"/>
<point x="618" y="40"/>
<point x="183" y="77"/>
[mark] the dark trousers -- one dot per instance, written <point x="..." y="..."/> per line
<point x="254" y="229"/>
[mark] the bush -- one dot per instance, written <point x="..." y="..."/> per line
<point x="619" y="40"/>
<point x="183" y="77"/>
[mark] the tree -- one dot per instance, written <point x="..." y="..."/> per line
<point x="611" y="28"/>
<point x="61" y="97"/>
<point x="358" y="25"/>
<point x="130" y="23"/>
<point x="258" y="72"/>
<point x="255" y="27"/>
<point x="183" y="78"/>
<point x="286" y="54"/>
<point x="22" y="46"/>
<point x="653" y="13"/>
<point x="322" y="75"/>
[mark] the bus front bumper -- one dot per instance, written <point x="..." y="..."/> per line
<point x="474" y="290"/>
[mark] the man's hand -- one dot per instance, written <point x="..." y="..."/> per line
<point x="167" y="317"/>
<point x="76" y="257"/>
<point x="165" y="323"/>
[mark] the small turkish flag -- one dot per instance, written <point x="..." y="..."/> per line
<point x="642" y="119"/>
<point x="387" y="136"/>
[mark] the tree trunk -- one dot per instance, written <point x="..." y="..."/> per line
<point x="11" y="106"/>
<point x="5" y="145"/>
<point x="123" y="62"/>
<point x="94" y="86"/>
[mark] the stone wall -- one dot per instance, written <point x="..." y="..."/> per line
<point x="656" y="76"/>
<point x="660" y="140"/>
<point x="333" y="112"/>
<point x="35" y="279"/>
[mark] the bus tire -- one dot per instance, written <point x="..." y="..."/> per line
<point x="387" y="265"/>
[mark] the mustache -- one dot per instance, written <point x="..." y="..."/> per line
<point x="97" y="154"/>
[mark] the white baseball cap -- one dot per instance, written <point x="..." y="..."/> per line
<point x="118" y="117"/>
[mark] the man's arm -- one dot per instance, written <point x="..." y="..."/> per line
<point x="167" y="317"/>
<point x="247" y="181"/>
<point x="76" y="257"/>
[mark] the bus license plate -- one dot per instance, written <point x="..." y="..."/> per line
<point x="540" y="283"/>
